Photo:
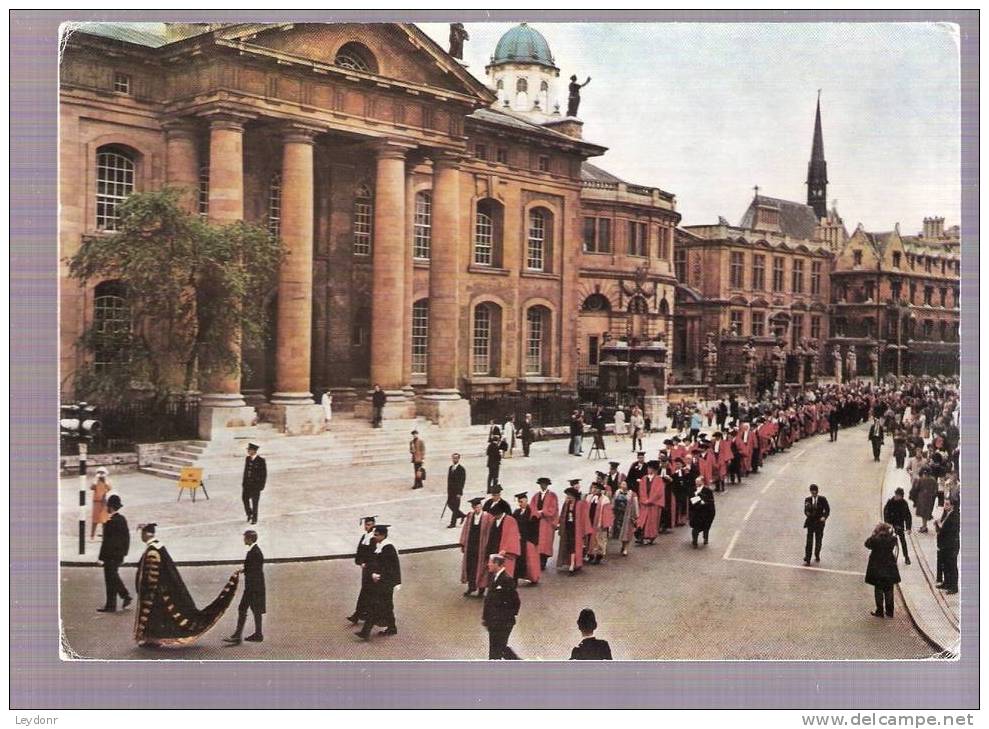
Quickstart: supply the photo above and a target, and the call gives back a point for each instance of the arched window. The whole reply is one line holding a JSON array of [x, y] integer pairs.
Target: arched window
[[356, 57], [481, 347], [420, 336], [535, 259], [114, 182], [638, 305], [363, 221], [537, 323], [203, 191], [487, 233], [521, 94], [422, 233], [544, 95], [111, 324], [596, 302], [275, 205]]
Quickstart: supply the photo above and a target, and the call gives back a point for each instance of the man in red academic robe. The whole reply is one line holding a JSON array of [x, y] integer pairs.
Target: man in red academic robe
[[652, 500], [679, 450], [722, 459], [545, 507], [499, 535], [528, 566], [575, 525], [766, 437], [744, 442], [474, 559], [707, 464], [602, 518]]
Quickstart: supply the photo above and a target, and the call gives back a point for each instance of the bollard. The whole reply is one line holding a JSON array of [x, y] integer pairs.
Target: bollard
[[82, 497]]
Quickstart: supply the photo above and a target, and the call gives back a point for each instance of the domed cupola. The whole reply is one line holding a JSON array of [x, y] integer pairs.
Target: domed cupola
[[523, 74]]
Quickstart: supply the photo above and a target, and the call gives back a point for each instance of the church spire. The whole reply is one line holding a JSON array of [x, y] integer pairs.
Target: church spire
[[817, 169]]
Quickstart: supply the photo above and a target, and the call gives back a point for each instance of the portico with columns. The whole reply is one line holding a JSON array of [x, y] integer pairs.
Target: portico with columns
[[431, 242]]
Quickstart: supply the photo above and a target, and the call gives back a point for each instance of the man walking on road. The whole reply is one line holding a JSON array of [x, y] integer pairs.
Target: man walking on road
[[116, 543], [897, 514], [501, 606], [252, 484], [876, 436], [493, 453], [456, 476], [816, 512]]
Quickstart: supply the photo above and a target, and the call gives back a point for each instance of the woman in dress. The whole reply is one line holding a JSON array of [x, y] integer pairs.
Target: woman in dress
[[923, 492], [101, 489], [882, 572]]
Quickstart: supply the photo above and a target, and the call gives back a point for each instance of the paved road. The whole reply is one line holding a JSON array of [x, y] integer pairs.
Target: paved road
[[743, 597]]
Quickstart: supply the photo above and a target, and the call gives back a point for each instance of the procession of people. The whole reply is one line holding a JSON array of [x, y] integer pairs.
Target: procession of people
[[505, 544]]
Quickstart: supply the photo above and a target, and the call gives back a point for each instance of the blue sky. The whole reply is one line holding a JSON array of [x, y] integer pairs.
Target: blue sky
[[708, 110]]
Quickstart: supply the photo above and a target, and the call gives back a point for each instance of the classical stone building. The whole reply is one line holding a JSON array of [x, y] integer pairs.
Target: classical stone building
[[447, 239], [751, 286], [895, 303]]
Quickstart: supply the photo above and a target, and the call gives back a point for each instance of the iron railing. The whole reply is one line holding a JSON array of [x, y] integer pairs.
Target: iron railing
[[124, 426]]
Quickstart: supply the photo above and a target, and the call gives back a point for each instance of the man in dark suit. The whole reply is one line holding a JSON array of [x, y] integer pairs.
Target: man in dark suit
[[253, 598], [255, 476], [116, 543], [493, 453], [456, 476], [386, 575], [948, 543], [876, 437], [816, 512], [590, 648], [378, 399], [834, 419], [365, 550], [501, 605], [896, 513]]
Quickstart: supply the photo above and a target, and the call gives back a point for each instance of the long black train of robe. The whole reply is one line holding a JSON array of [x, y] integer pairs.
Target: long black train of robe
[[473, 551], [166, 612], [381, 596], [364, 551], [528, 532]]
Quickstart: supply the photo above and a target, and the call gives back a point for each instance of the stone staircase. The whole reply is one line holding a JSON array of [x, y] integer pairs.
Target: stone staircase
[[348, 442]]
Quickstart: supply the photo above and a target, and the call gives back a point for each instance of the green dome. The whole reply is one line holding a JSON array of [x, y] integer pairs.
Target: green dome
[[523, 44]]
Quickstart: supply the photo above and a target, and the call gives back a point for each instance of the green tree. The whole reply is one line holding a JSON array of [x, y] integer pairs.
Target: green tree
[[193, 290]]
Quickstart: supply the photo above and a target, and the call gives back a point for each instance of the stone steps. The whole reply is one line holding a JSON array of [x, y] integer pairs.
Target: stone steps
[[361, 446]]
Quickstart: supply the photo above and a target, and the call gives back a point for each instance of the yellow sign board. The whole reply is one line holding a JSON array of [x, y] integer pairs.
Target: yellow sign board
[[190, 478]]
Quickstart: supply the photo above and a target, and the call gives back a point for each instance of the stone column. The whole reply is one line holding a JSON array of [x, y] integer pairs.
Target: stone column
[[182, 161], [442, 402], [292, 408], [390, 300], [222, 406]]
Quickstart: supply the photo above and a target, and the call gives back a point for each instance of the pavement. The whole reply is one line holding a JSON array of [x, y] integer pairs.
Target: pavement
[[935, 613], [310, 512], [747, 595]]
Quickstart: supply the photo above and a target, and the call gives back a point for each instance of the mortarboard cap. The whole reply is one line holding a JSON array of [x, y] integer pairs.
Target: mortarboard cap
[[653, 464], [614, 464], [253, 447], [572, 492], [543, 479], [522, 495], [573, 481], [640, 453], [366, 519], [381, 529], [496, 489], [476, 500], [600, 474]]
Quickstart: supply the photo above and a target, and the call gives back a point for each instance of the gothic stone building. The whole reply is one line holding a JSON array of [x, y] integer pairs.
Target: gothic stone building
[[763, 281], [896, 306], [447, 239]]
